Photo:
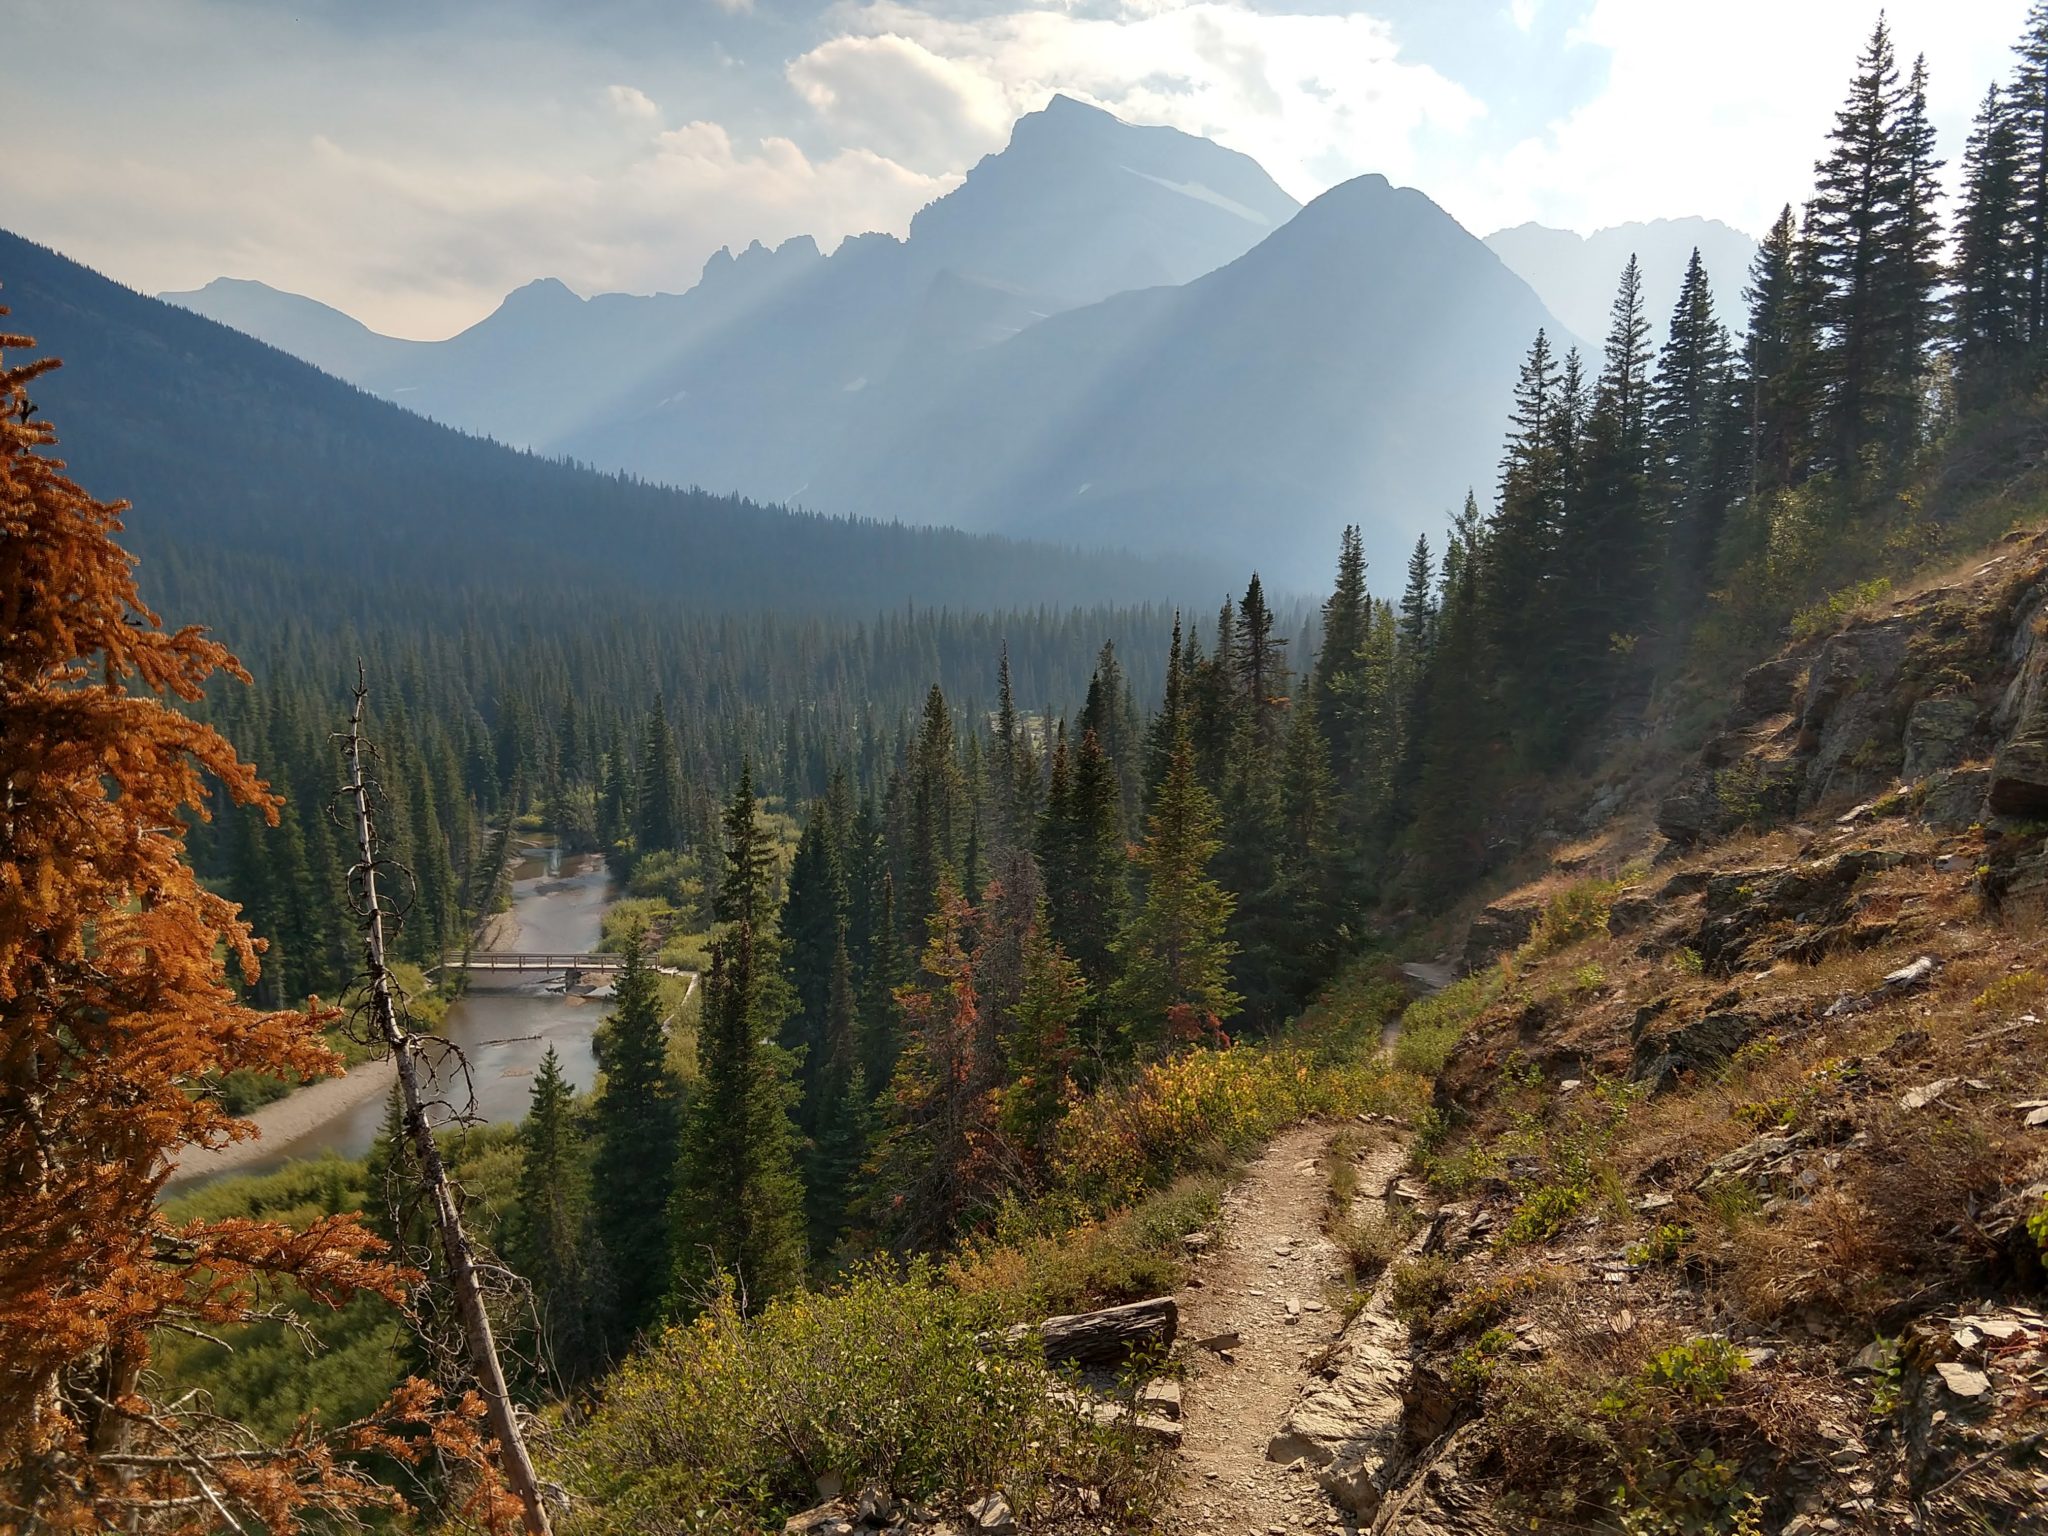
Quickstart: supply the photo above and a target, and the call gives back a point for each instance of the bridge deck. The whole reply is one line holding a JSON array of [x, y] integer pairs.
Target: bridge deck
[[501, 960]]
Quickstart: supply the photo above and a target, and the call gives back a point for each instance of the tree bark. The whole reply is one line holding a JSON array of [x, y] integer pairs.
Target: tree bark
[[1099, 1340]]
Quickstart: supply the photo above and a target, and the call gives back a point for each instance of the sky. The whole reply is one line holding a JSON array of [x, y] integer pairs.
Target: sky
[[411, 161]]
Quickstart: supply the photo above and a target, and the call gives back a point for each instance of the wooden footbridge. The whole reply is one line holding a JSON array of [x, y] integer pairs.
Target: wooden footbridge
[[482, 960]]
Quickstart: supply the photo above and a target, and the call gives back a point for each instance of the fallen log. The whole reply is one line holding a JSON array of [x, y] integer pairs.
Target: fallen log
[[1097, 1340]]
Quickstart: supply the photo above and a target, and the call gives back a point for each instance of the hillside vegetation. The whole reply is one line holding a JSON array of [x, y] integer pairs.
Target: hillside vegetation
[[1715, 749]]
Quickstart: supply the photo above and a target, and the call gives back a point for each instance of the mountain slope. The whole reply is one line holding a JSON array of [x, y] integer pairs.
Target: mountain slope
[[1081, 205], [239, 458], [1355, 366], [1576, 274], [726, 384], [330, 340]]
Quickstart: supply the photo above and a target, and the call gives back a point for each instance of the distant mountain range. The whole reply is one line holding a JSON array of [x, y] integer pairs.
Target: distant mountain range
[[1577, 274], [1107, 333], [259, 480]]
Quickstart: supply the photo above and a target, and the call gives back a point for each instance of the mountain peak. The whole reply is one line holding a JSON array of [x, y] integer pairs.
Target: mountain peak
[[1063, 110], [1081, 204], [541, 293]]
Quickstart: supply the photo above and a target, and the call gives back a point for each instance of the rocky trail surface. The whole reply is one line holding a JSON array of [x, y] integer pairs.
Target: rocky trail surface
[[1272, 1277]]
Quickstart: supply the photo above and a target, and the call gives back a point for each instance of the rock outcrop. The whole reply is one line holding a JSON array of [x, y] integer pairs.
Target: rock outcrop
[[1915, 698]]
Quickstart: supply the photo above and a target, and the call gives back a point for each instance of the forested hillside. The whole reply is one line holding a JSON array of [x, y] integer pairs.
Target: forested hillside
[[1069, 928], [252, 471]]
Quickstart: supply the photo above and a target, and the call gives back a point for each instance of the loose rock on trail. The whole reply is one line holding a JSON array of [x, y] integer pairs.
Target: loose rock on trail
[[1275, 1279]]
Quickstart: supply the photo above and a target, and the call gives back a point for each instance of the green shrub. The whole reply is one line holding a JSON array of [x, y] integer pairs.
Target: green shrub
[[1041, 1259], [1543, 1212], [1573, 915], [728, 1424], [1432, 1026], [1418, 1288], [1700, 1370], [1369, 1241], [1487, 1304], [1828, 614], [1473, 1366], [1662, 1246]]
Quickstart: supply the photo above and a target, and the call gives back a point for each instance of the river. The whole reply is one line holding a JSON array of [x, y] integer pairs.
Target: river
[[503, 1026]]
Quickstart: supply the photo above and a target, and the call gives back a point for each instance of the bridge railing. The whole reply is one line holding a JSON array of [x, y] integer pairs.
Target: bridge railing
[[507, 960]]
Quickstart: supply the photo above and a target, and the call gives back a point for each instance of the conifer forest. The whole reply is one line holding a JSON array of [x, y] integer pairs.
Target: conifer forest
[[981, 929]]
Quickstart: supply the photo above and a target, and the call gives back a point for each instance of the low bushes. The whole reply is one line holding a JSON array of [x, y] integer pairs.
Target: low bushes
[[728, 1424], [1432, 1026], [1034, 1264], [1200, 1109], [1664, 1445]]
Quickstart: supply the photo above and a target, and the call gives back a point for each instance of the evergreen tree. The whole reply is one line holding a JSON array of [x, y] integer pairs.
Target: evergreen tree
[[1988, 307], [1610, 544], [738, 1206], [2029, 101], [1913, 269], [1779, 361], [1687, 407], [878, 1039], [1217, 701], [658, 819], [1081, 849], [1871, 237], [1344, 623], [1262, 671], [638, 1119], [549, 1241], [1043, 1044], [1526, 528], [937, 818], [1112, 715], [814, 918], [1173, 988], [1173, 718]]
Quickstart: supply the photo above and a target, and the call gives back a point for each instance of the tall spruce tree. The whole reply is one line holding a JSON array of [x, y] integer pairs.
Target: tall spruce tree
[[550, 1240], [658, 818], [814, 919], [2029, 99], [738, 1206], [1779, 361], [1082, 851], [1344, 623], [1043, 1045], [638, 1118], [1863, 233], [1988, 304], [1687, 410], [1174, 988]]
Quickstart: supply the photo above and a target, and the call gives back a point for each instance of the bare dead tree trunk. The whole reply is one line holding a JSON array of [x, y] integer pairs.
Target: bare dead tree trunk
[[456, 1250]]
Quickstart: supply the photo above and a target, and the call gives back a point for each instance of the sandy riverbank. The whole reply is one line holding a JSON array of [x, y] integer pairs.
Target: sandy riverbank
[[498, 931], [285, 1120]]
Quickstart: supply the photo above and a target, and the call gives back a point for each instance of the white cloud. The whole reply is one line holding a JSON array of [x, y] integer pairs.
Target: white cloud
[[892, 95], [414, 196], [1314, 98], [1723, 118], [632, 103]]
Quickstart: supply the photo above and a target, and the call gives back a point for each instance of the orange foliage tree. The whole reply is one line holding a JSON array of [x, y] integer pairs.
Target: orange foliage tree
[[115, 1012]]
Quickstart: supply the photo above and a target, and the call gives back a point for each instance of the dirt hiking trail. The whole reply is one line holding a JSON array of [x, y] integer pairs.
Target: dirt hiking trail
[[1269, 1251]]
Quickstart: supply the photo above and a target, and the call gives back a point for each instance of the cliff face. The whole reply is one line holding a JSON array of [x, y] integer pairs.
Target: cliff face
[[1738, 1168]]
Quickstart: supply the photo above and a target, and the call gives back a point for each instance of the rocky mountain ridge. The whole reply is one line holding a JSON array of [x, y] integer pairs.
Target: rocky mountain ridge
[[1106, 332]]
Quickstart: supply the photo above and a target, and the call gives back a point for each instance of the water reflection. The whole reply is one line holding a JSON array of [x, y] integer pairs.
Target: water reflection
[[503, 1025]]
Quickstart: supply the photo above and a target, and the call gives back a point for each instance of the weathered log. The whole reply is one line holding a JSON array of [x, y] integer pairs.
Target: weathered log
[[1096, 1340]]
